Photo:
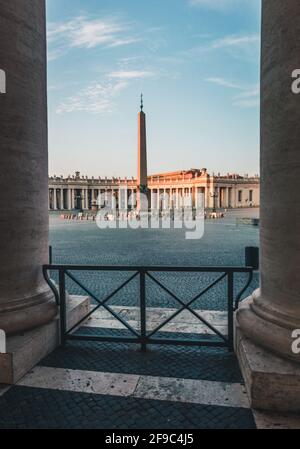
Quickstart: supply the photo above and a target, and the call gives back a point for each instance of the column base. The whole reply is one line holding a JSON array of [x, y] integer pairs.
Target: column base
[[28, 313], [263, 324], [26, 349], [272, 383]]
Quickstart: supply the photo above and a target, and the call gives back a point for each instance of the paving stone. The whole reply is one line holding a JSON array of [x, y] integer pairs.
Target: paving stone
[[183, 362]]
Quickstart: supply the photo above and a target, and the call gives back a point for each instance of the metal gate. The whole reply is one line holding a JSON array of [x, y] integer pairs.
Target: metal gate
[[143, 336]]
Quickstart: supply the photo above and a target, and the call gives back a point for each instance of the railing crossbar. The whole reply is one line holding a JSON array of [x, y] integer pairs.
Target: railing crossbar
[[103, 303], [186, 307], [153, 268]]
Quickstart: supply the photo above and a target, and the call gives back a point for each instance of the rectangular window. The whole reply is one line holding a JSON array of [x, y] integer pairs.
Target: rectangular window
[[251, 196], [240, 196]]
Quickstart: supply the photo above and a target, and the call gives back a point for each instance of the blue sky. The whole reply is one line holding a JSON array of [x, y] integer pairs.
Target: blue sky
[[197, 63]]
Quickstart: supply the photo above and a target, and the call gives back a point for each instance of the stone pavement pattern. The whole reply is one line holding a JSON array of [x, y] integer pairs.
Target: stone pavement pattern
[[115, 386]]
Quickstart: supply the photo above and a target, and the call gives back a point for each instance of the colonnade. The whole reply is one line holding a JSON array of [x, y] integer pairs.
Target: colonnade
[[173, 197], [62, 198]]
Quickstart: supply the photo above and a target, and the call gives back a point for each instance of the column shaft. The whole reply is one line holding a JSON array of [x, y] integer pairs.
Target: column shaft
[[275, 309], [61, 199], [25, 299], [69, 199]]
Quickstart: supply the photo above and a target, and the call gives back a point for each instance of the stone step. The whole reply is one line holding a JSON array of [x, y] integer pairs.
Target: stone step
[[25, 350]]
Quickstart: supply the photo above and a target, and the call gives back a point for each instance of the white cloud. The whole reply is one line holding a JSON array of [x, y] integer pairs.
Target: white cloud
[[224, 5], [236, 41], [131, 74], [85, 32], [55, 53], [254, 103], [248, 96], [213, 4], [223, 82], [97, 98], [253, 92], [240, 46]]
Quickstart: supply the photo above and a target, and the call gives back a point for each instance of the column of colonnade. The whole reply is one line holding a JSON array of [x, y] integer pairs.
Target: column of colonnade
[[55, 199], [61, 199], [26, 301], [69, 199], [274, 310]]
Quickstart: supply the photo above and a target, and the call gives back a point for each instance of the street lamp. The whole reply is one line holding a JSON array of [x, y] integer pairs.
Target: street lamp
[[215, 195]]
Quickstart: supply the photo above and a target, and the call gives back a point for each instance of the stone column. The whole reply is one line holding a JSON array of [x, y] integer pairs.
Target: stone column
[[71, 193], [83, 199], [69, 199], [173, 196], [132, 198], [25, 299], [55, 199], [190, 202], [210, 191], [229, 197], [274, 310], [125, 194], [87, 199], [120, 199], [234, 197], [62, 199], [165, 199], [82, 192], [151, 198]]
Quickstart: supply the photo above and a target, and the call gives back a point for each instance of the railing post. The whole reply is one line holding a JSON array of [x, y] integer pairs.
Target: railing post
[[230, 295], [63, 312], [143, 308], [252, 257], [50, 255]]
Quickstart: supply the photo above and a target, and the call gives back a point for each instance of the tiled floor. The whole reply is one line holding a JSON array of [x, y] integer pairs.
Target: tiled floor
[[116, 386], [27, 407]]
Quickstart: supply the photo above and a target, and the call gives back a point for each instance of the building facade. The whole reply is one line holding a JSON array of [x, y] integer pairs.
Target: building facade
[[231, 191]]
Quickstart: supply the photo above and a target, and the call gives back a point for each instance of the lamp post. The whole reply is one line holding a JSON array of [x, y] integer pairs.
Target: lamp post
[[214, 195]]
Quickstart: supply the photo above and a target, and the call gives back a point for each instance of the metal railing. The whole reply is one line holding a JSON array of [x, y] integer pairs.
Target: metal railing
[[142, 336]]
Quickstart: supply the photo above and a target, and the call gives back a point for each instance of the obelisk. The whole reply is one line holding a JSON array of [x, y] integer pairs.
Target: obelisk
[[142, 177]]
